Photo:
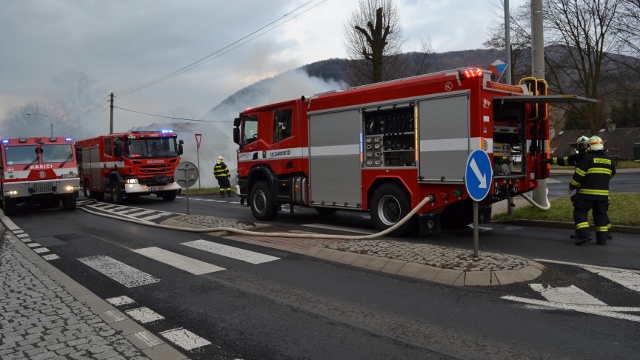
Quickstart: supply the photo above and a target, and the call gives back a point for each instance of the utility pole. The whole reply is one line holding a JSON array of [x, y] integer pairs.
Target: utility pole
[[111, 115], [537, 69], [507, 39]]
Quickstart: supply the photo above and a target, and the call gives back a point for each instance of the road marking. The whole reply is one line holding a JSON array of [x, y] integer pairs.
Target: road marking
[[144, 315], [340, 228], [155, 216], [609, 311], [51, 257], [120, 301], [118, 271], [184, 338], [181, 262], [229, 251], [143, 213], [625, 277], [568, 295]]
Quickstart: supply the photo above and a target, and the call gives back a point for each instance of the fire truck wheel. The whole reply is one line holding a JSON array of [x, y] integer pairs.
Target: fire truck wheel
[[390, 204], [86, 190], [69, 203], [9, 206], [169, 195], [262, 205], [116, 193]]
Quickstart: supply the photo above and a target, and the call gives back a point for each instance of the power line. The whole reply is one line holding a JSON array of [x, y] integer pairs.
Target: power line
[[220, 51], [170, 117]]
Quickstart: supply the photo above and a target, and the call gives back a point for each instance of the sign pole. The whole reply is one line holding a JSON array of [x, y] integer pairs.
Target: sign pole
[[475, 228], [478, 178], [198, 139]]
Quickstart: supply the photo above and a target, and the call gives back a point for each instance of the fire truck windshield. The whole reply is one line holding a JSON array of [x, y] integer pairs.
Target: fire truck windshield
[[152, 148], [56, 153], [24, 154], [250, 133]]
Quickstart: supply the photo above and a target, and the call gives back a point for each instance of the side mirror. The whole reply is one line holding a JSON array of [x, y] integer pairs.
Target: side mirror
[[237, 121], [236, 135], [78, 153]]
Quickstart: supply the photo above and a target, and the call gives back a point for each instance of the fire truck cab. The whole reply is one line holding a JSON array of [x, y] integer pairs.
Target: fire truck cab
[[39, 170], [385, 147], [130, 164]]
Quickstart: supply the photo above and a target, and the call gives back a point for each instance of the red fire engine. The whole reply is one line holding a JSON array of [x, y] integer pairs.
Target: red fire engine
[[385, 147], [130, 164], [40, 170]]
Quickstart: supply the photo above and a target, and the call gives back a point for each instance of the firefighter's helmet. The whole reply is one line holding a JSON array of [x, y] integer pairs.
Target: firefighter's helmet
[[582, 144], [595, 143], [220, 158]]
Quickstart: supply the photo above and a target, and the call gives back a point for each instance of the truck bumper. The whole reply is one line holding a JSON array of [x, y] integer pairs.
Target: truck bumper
[[144, 189], [26, 189]]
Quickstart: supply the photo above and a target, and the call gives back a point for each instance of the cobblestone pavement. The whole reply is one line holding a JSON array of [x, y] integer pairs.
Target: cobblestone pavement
[[40, 320], [46, 315]]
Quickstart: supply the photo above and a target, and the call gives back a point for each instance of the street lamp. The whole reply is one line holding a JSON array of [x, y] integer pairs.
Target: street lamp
[[35, 113]]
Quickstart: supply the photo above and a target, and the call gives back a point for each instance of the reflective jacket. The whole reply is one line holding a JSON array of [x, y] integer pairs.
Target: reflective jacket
[[592, 176], [221, 170], [571, 160]]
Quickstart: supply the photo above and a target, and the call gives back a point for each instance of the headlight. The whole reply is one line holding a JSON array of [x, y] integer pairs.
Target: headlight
[[131, 181], [11, 192]]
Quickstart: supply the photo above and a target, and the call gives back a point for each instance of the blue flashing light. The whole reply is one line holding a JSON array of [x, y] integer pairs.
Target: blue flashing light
[[167, 131], [5, 141], [68, 139]]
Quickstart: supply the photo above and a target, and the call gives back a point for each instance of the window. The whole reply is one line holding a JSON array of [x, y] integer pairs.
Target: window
[[282, 121], [250, 133], [107, 147], [25, 154], [56, 153]]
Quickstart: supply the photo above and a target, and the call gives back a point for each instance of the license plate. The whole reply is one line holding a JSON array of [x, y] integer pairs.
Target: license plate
[[153, 189]]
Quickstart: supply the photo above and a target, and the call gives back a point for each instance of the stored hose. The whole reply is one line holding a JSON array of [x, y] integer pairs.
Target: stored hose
[[274, 234]]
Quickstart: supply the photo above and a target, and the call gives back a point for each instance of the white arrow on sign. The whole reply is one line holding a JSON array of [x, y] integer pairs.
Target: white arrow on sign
[[479, 175]]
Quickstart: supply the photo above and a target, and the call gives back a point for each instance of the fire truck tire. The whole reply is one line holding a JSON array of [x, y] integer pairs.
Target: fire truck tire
[[116, 193], [390, 203], [262, 205], [325, 211], [69, 203], [9, 206], [169, 195], [86, 190]]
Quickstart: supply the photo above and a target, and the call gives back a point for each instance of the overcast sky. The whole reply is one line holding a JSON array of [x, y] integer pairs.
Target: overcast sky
[[123, 44]]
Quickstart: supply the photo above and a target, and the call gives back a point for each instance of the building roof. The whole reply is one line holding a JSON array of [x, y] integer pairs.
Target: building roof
[[618, 142]]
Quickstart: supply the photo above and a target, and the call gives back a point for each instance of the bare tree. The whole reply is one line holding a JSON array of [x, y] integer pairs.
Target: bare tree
[[520, 39], [373, 41], [582, 46], [76, 99], [18, 124]]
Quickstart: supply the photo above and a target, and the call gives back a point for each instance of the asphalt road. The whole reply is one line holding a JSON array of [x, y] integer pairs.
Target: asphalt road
[[300, 307]]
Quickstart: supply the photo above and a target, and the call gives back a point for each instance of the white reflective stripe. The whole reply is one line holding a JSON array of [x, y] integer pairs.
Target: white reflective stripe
[[351, 149], [181, 262], [456, 144], [266, 155], [229, 251], [118, 271], [444, 145]]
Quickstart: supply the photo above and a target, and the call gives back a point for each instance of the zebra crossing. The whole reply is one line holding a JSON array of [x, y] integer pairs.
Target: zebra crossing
[[130, 212], [130, 277], [574, 298]]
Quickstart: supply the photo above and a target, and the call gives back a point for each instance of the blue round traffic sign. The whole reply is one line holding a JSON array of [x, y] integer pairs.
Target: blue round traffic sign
[[478, 175]]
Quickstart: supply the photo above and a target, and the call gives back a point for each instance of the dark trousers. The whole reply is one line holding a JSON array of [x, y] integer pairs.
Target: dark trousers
[[600, 218], [224, 183]]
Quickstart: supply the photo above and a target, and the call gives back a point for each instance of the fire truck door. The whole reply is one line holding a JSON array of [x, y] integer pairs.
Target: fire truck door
[[334, 158], [443, 125]]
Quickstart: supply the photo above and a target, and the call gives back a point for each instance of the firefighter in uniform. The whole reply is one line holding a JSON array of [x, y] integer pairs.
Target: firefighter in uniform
[[222, 174], [582, 145], [591, 180]]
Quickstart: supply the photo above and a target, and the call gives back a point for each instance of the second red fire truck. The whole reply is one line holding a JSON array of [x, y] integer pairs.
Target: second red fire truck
[[385, 147], [130, 164]]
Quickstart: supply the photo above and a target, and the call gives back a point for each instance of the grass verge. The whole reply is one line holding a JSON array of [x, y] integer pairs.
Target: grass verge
[[624, 209]]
